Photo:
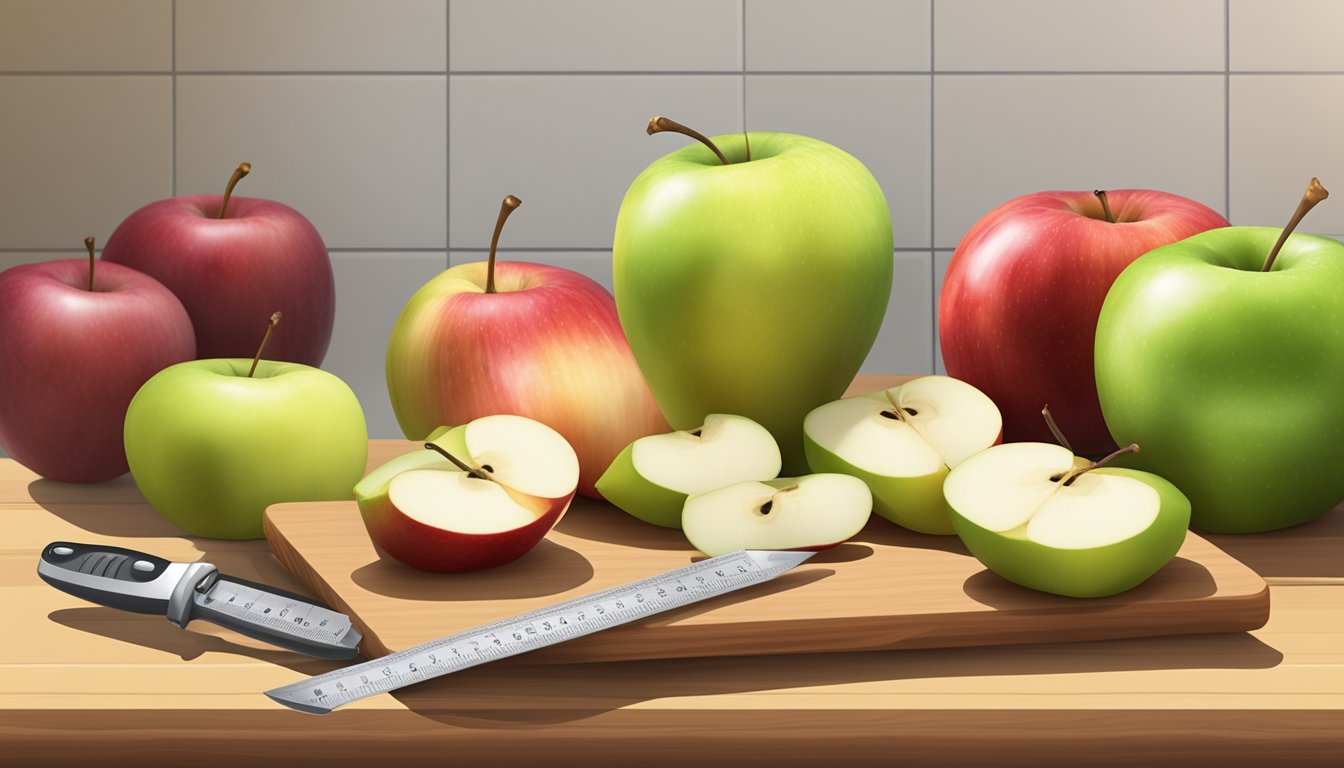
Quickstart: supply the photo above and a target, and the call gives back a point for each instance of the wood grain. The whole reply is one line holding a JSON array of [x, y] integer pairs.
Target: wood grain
[[887, 588], [79, 679]]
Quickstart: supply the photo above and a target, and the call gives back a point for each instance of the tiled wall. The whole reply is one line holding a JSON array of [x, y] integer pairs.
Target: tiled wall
[[397, 125]]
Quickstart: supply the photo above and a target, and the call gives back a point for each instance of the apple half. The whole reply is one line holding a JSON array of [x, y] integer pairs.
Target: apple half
[[652, 477], [902, 442], [430, 513], [1094, 534], [812, 512]]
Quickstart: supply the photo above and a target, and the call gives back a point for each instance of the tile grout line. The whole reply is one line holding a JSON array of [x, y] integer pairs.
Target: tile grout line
[[1227, 109], [669, 73], [172, 129], [742, 61], [933, 259], [448, 133]]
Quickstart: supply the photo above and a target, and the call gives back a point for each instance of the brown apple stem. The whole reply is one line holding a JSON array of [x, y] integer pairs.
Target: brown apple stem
[[1315, 193], [507, 207], [1105, 205], [275, 320], [88, 243], [1072, 475], [659, 124], [1054, 429], [238, 173], [471, 471]]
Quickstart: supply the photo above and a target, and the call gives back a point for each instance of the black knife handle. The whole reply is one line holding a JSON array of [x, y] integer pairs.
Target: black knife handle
[[113, 576]]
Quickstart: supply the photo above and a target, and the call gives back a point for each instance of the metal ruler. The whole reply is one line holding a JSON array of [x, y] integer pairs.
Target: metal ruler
[[537, 629]]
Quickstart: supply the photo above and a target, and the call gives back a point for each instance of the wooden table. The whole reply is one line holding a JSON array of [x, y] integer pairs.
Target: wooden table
[[82, 683]]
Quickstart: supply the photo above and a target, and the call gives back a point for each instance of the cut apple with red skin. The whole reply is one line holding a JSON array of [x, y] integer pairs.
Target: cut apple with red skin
[[813, 512], [424, 510], [902, 442]]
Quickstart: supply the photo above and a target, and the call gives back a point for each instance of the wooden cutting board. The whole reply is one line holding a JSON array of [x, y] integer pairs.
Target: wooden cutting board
[[887, 588]]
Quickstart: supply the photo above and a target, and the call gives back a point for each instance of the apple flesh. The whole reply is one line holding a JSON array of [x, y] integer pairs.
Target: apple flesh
[[904, 457], [1019, 304], [430, 514], [652, 477], [1102, 533], [813, 512]]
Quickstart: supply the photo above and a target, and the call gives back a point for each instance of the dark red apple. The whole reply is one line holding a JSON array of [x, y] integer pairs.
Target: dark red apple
[[1019, 305], [73, 352], [260, 256]]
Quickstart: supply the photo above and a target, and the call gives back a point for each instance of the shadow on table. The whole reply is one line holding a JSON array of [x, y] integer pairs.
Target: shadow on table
[[114, 508], [151, 631], [1312, 550]]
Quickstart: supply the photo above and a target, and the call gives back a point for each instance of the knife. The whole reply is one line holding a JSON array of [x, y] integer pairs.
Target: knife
[[136, 581]]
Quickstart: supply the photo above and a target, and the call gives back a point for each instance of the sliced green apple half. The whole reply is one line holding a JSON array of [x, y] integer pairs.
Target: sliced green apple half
[[1035, 515], [493, 489], [652, 477], [902, 442], [812, 512]]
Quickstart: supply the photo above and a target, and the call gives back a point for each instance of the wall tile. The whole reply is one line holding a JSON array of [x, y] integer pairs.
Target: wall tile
[[573, 176], [594, 264], [940, 261], [311, 35], [86, 35], [1285, 35], [838, 35], [883, 120], [905, 343], [1078, 35], [371, 289], [1275, 149], [362, 157], [79, 154], [596, 35], [998, 137]]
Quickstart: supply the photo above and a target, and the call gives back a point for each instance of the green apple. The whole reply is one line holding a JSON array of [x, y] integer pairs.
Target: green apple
[[211, 446], [1043, 518], [755, 286], [484, 495], [902, 442], [652, 477], [1231, 377], [812, 512]]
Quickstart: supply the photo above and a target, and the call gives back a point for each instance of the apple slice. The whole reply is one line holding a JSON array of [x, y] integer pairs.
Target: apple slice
[[1043, 518], [812, 512], [902, 442], [652, 477], [484, 495]]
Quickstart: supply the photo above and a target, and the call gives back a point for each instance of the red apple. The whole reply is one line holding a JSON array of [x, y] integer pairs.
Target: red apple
[[1019, 305], [485, 494], [73, 352], [228, 270], [528, 339]]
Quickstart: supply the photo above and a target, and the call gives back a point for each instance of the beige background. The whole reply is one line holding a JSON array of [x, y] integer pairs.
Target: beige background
[[398, 125]]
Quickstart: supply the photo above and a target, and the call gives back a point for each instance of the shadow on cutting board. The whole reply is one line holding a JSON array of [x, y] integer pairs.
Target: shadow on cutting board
[[548, 569]]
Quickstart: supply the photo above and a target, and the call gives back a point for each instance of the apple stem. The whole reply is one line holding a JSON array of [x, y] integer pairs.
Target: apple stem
[[275, 320], [1315, 193], [507, 207], [238, 173], [1054, 429], [1068, 479], [746, 137], [1105, 205], [462, 465], [659, 124], [88, 243]]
